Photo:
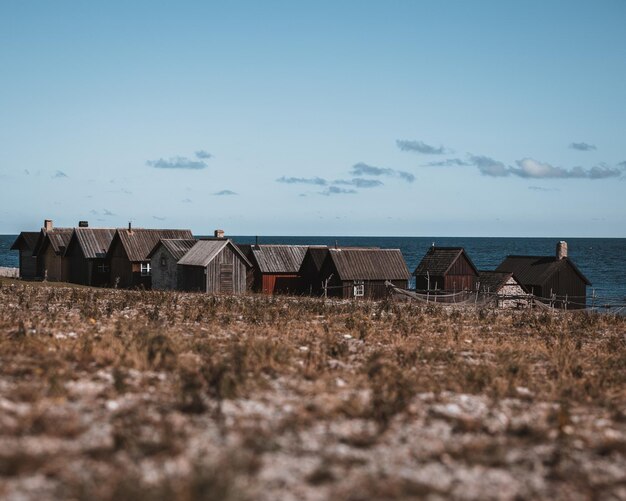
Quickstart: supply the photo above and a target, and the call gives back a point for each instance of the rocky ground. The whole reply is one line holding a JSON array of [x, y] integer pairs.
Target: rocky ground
[[125, 395]]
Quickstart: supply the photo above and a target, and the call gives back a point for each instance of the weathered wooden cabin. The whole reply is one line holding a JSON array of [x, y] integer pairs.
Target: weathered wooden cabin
[[447, 269], [164, 261], [50, 253], [85, 256], [128, 259], [25, 245], [311, 281], [217, 266], [275, 268], [551, 279], [503, 288], [363, 273]]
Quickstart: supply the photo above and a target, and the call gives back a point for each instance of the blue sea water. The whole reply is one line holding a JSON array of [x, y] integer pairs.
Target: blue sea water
[[602, 260]]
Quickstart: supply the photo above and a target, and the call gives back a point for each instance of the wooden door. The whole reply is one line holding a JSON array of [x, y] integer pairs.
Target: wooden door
[[226, 278]]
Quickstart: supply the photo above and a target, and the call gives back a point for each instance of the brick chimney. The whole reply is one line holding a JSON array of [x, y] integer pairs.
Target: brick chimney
[[561, 250], [83, 224], [218, 233], [47, 224]]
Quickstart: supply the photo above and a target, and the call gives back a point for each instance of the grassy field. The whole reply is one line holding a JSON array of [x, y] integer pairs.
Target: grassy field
[[109, 394]]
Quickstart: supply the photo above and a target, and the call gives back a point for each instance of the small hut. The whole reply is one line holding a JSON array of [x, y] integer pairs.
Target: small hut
[[25, 244], [503, 288], [85, 255], [446, 269], [275, 268], [216, 266], [164, 261], [50, 253], [553, 279]]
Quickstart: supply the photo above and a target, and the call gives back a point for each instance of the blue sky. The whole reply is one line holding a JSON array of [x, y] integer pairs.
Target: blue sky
[[316, 118]]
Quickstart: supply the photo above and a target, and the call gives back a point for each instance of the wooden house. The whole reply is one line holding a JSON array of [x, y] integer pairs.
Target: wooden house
[[503, 288], [217, 266], [50, 253], [446, 269], [85, 256], [551, 279], [25, 244], [311, 280], [128, 253], [275, 268], [164, 261], [362, 273]]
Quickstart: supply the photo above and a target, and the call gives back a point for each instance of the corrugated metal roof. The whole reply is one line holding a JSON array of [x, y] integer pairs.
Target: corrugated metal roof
[[25, 240], [57, 238], [177, 247], [278, 258], [438, 260], [493, 281], [535, 270], [140, 241], [369, 264], [94, 242], [204, 251]]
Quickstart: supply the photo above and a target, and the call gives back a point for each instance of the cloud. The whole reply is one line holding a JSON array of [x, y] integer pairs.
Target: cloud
[[106, 212], [541, 188], [531, 168], [224, 193], [126, 192], [59, 175], [186, 201], [582, 146], [335, 190], [359, 182], [363, 169], [27, 172], [203, 155], [159, 218], [488, 166], [93, 212], [420, 147], [449, 162], [622, 164], [177, 163], [318, 181]]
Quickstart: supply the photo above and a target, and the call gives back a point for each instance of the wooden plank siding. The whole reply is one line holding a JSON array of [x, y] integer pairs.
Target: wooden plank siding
[[54, 266], [226, 274]]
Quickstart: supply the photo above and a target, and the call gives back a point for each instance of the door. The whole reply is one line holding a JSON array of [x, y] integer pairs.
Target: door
[[226, 278]]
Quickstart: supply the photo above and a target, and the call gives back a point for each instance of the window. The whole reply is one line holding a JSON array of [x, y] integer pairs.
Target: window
[[359, 288], [103, 268], [145, 269], [163, 261]]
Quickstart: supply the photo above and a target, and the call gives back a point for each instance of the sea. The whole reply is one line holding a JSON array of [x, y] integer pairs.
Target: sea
[[601, 260]]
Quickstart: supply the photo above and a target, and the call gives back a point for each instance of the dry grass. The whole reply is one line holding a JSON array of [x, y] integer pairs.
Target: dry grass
[[115, 394]]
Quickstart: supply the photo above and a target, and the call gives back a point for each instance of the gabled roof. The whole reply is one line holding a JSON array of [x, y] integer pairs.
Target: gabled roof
[[57, 238], [438, 260], [177, 247], [275, 258], [138, 242], [26, 241], [536, 270], [94, 242], [369, 264], [204, 251], [493, 281], [318, 255]]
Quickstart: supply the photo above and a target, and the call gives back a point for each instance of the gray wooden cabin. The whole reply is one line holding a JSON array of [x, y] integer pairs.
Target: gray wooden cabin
[[164, 261], [85, 255], [25, 244], [215, 266]]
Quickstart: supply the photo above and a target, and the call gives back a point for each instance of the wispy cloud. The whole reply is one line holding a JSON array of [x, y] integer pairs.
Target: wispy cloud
[[359, 182], [107, 212], [317, 181], [27, 172], [531, 168], [203, 155], [449, 162], [177, 163], [336, 190], [541, 188], [363, 169], [93, 212], [420, 147], [187, 201], [59, 175], [224, 193], [159, 218], [583, 146], [488, 166]]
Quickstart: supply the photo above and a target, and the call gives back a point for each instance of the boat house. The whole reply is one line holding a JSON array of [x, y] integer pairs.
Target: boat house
[[446, 269]]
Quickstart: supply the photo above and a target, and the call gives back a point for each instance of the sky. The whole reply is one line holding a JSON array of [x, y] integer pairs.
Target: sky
[[400, 118]]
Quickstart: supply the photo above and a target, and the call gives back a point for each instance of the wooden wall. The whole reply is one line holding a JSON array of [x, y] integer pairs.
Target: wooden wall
[[164, 270], [28, 264], [54, 268], [120, 266], [226, 273]]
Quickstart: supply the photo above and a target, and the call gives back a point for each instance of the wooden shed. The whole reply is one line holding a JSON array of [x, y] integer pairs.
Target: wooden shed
[[128, 259], [217, 266], [362, 273], [311, 280], [164, 261], [446, 269], [275, 268], [85, 256], [551, 279], [25, 245], [503, 288], [50, 253]]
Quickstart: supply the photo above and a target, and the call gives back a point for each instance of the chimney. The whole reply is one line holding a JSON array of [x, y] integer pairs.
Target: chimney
[[47, 224], [256, 242], [130, 227], [561, 250], [218, 233], [83, 224]]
